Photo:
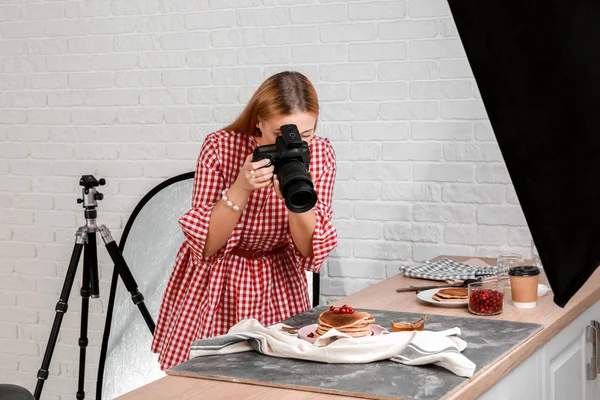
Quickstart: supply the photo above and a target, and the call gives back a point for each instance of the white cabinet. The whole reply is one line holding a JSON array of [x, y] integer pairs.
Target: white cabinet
[[565, 361], [565, 369], [523, 382], [556, 371]]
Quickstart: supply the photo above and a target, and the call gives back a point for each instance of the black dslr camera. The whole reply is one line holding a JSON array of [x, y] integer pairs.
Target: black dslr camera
[[290, 156]]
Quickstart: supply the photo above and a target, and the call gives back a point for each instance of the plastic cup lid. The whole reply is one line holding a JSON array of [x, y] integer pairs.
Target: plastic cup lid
[[524, 271]]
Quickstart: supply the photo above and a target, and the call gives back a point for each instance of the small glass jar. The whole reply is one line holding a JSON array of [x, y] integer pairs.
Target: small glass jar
[[402, 325], [486, 298], [505, 263]]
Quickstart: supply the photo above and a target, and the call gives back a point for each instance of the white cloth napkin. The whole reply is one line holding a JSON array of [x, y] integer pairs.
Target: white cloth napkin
[[411, 348]]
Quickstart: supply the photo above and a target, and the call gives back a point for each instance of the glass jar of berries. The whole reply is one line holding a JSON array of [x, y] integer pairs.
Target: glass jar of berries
[[486, 298]]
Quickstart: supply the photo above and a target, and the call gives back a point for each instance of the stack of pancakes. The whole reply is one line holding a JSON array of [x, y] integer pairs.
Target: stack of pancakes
[[452, 295], [355, 325]]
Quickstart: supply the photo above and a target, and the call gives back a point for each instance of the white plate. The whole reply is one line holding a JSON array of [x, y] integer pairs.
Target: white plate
[[308, 329], [427, 296]]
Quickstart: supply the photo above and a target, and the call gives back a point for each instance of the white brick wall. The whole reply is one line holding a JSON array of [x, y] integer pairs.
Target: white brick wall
[[127, 90]]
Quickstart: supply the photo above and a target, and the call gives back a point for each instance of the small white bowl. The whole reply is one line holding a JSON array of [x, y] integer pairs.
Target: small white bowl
[[542, 290]]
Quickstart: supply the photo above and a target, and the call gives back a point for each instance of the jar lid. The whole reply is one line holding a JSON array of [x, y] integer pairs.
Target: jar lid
[[524, 271]]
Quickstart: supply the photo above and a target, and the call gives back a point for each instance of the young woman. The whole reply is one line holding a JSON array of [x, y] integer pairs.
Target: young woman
[[244, 253]]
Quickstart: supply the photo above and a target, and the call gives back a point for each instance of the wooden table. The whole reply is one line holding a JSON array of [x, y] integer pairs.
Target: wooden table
[[383, 296]]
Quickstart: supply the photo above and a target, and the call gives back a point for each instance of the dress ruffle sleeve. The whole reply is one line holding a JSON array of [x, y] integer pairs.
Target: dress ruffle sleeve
[[209, 182], [325, 235]]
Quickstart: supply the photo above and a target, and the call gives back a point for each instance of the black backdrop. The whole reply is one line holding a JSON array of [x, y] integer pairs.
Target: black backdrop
[[537, 65]]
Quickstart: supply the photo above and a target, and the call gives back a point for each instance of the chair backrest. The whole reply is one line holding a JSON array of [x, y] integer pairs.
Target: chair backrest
[[149, 244], [14, 392]]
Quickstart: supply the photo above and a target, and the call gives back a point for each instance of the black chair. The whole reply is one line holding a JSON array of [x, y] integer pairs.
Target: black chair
[[14, 392]]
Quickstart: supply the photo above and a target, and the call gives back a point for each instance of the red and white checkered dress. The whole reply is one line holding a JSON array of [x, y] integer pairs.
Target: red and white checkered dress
[[205, 296]]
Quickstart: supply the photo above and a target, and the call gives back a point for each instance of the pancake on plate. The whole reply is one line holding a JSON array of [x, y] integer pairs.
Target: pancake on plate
[[452, 295], [353, 323]]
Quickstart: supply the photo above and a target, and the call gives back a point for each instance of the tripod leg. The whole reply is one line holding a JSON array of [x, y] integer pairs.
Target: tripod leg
[[91, 257], [126, 276], [90, 262], [61, 309]]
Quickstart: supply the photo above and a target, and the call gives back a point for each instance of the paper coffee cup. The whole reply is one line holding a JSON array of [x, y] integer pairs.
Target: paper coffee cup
[[524, 286]]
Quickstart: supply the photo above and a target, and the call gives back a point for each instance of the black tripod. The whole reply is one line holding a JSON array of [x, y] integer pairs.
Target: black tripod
[[85, 240]]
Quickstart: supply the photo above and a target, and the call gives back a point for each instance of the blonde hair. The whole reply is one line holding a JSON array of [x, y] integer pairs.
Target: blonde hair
[[284, 93]]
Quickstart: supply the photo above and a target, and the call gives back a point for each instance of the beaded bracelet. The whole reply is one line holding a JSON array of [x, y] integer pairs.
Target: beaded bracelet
[[230, 204]]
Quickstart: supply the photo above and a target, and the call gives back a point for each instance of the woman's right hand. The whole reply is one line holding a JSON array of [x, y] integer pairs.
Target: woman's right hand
[[253, 176]]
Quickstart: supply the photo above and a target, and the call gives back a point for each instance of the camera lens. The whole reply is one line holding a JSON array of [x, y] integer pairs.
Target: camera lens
[[296, 187], [302, 198]]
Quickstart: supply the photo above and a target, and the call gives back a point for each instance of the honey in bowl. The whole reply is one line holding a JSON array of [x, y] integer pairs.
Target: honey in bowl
[[405, 326]]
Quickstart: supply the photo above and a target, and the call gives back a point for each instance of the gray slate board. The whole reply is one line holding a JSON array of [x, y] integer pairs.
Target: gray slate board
[[488, 340]]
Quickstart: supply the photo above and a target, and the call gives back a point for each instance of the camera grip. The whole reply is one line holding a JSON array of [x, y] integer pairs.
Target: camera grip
[[262, 152]]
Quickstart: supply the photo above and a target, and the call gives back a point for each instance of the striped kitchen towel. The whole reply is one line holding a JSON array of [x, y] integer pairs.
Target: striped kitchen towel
[[411, 348], [446, 269]]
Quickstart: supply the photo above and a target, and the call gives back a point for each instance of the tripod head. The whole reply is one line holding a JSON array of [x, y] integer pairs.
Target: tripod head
[[89, 195]]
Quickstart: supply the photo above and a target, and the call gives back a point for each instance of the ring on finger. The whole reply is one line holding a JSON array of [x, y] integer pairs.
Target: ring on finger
[[252, 173]]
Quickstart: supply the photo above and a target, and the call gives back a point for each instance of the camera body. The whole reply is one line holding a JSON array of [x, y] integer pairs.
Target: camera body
[[290, 156], [288, 147]]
